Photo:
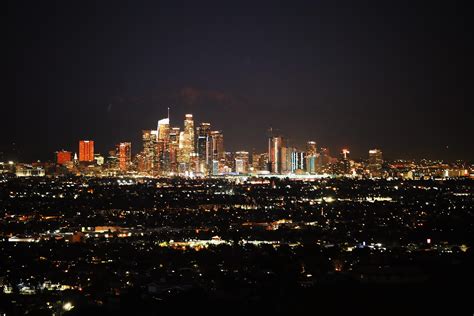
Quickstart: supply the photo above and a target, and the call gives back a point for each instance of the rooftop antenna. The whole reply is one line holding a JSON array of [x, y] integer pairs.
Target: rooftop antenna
[[168, 113]]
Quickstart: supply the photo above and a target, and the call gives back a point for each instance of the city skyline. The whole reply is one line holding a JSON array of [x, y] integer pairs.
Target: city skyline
[[196, 149], [15, 153], [387, 75]]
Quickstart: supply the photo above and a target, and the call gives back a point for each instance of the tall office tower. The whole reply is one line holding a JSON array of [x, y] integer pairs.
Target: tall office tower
[[187, 139], [181, 153], [311, 156], [218, 153], [140, 162], [174, 148], [193, 163], [204, 147], [124, 154], [255, 161], [149, 160], [298, 161], [275, 143], [242, 162], [227, 164], [324, 157], [63, 157], [285, 159], [263, 162], [163, 150], [345, 161], [86, 150], [375, 162], [311, 149]]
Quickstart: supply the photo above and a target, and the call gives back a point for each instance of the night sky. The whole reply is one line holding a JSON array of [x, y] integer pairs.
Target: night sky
[[391, 75]]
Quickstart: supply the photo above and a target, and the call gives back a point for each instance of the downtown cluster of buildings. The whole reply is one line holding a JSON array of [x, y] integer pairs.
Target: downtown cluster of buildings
[[198, 150]]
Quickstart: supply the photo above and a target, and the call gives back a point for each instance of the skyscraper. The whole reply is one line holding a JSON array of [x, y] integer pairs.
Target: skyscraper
[[311, 149], [174, 148], [163, 150], [86, 150], [311, 156], [124, 153], [63, 157], [275, 143], [204, 147], [375, 162], [298, 161], [345, 161], [218, 153], [186, 141], [324, 157], [242, 162], [150, 141]]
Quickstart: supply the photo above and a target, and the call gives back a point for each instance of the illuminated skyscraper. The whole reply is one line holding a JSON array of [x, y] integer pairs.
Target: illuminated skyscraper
[[218, 153], [286, 159], [204, 147], [311, 149], [63, 157], [324, 157], [311, 156], [228, 164], [218, 145], [275, 143], [242, 162], [150, 144], [186, 142], [86, 150], [375, 162], [163, 140], [345, 161], [174, 148], [124, 153], [298, 161], [255, 161], [259, 161]]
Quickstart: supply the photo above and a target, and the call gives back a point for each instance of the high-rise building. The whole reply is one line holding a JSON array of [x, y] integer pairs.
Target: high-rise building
[[149, 157], [298, 161], [186, 142], [255, 159], [174, 148], [218, 153], [204, 147], [242, 162], [286, 159], [345, 161], [275, 143], [63, 157], [86, 150], [311, 157], [227, 164], [163, 141], [375, 162], [124, 154], [324, 158], [311, 149]]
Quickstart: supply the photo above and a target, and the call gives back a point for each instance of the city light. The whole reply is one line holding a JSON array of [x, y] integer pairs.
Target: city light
[[68, 306]]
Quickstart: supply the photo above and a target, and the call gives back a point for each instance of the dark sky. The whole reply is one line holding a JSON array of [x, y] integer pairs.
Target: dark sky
[[393, 75]]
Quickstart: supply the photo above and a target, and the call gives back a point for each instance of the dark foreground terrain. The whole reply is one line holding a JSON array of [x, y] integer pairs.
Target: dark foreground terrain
[[85, 246]]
